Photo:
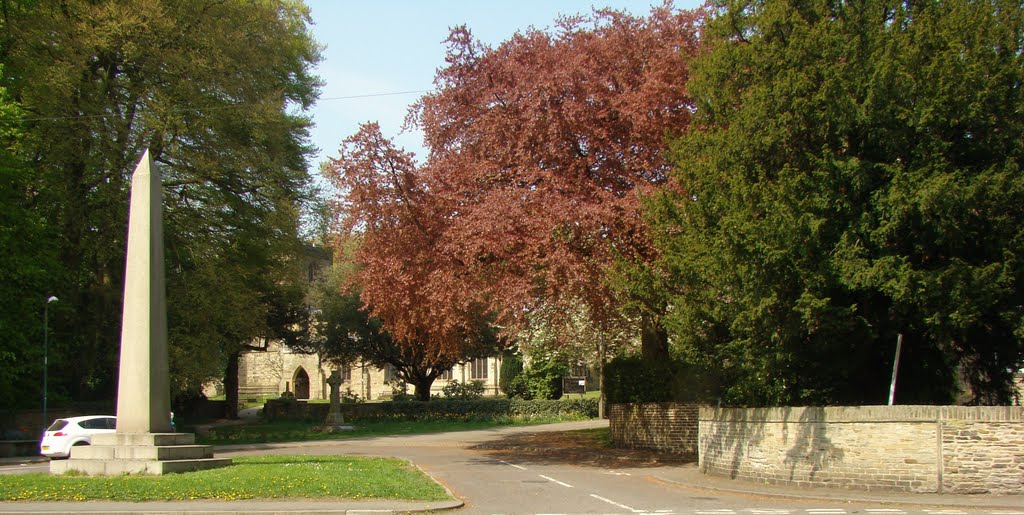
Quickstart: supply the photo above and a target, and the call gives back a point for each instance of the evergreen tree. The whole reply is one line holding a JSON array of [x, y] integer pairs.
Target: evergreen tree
[[857, 175]]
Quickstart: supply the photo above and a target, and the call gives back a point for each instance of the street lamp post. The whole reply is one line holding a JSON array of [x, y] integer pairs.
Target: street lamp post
[[46, 347]]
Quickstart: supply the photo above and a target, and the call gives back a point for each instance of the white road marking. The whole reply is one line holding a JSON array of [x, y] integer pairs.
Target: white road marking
[[617, 473], [553, 480], [884, 510], [512, 465], [824, 511], [714, 512], [946, 512], [1006, 512], [613, 503], [769, 511]]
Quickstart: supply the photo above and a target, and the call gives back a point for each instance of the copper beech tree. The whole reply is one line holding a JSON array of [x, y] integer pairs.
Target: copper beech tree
[[398, 221], [542, 148], [539, 150]]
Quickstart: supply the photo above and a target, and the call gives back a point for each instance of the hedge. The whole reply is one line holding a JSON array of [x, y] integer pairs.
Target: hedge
[[632, 379], [448, 409]]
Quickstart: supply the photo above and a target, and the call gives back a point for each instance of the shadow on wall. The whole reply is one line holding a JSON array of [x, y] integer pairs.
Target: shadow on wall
[[735, 433], [812, 447], [736, 444]]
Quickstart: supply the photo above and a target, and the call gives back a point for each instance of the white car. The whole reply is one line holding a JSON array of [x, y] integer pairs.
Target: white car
[[66, 433]]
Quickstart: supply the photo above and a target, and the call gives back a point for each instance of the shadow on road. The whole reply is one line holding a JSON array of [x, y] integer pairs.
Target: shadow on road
[[585, 448]]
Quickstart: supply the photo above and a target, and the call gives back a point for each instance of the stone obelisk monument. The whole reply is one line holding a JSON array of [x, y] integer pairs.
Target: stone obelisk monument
[[143, 441], [143, 386]]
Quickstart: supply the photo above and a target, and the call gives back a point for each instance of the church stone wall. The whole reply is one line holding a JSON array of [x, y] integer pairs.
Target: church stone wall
[[274, 371]]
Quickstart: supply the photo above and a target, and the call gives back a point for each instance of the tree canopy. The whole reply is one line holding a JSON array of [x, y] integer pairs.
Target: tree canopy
[[856, 174], [398, 273], [26, 264], [538, 150], [541, 147], [211, 88]]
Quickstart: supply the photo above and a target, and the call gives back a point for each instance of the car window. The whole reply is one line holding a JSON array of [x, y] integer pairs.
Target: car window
[[57, 425], [92, 423], [99, 423]]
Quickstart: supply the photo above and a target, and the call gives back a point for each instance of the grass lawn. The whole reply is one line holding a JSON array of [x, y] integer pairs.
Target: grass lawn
[[251, 477], [266, 432]]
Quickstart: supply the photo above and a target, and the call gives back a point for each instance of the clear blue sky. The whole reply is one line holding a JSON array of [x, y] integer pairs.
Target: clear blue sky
[[378, 47]]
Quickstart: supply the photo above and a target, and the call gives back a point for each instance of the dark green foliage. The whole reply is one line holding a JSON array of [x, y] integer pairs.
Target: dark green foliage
[[631, 379], [215, 91], [541, 380], [469, 390], [511, 368], [29, 273], [858, 175], [486, 409], [519, 388], [440, 409]]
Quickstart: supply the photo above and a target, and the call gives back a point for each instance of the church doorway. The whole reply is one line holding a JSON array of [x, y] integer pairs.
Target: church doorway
[[301, 383]]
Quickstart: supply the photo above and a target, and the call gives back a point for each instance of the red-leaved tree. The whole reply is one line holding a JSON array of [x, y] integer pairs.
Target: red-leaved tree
[[541, 149], [398, 221]]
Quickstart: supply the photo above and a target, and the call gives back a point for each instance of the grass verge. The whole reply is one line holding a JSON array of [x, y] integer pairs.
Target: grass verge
[[251, 477], [268, 432]]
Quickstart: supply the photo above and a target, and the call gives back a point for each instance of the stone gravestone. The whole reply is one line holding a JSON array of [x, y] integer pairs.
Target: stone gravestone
[[143, 442], [335, 420]]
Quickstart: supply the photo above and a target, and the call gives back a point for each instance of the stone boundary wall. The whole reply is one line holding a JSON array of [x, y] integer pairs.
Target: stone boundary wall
[[927, 449], [667, 427]]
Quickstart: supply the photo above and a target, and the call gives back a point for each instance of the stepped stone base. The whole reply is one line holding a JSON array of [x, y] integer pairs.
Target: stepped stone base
[[139, 453]]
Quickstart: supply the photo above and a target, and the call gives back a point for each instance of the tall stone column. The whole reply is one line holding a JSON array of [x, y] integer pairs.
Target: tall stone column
[[143, 442], [143, 387]]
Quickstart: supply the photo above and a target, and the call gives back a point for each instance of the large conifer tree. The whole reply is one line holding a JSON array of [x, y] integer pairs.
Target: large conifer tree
[[858, 175]]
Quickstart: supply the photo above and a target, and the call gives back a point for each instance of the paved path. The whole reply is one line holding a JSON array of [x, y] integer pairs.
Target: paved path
[[535, 481]]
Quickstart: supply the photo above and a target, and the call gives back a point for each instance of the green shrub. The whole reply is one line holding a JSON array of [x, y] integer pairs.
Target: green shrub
[[519, 388], [464, 391], [483, 409], [511, 368], [398, 393], [631, 379], [541, 380], [486, 409]]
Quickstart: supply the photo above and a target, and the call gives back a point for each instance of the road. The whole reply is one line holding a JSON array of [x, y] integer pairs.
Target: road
[[496, 479], [536, 481]]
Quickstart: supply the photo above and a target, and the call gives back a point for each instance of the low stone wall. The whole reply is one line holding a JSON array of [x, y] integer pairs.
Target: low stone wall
[[665, 427], [907, 448]]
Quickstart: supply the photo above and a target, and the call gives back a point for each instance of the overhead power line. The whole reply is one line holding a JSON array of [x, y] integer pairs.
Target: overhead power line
[[216, 108]]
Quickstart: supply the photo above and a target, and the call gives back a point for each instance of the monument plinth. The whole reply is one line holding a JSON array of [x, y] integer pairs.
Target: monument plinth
[[143, 442]]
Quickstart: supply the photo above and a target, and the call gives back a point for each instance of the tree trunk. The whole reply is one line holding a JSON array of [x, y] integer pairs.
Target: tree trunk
[[422, 386], [231, 387], [653, 339]]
